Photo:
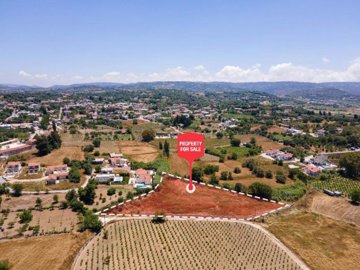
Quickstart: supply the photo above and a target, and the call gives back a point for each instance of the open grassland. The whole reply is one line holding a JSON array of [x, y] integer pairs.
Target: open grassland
[[56, 157], [43, 252], [172, 199], [138, 151], [262, 141], [184, 245], [323, 243]]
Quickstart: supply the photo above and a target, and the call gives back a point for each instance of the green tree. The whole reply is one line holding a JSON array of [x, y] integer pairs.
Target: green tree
[[166, 148], [261, 190], [54, 140], [97, 142], [235, 142], [17, 187], [355, 195], [148, 135], [197, 174], [111, 191], [280, 177], [74, 175], [42, 145], [87, 194], [237, 170], [214, 180], [55, 199], [4, 265], [38, 203], [71, 195], [25, 216], [351, 163]]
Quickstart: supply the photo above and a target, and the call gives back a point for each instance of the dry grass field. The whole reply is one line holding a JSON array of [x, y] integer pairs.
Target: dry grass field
[[323, 243], [56, 157], [44, 252], [183, 245], [138, 151], [246, 177], [264, 142], [336, 208]]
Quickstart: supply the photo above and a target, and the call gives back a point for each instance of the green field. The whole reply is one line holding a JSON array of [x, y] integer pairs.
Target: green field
[[238, 116], [337, 183], [228, 150]]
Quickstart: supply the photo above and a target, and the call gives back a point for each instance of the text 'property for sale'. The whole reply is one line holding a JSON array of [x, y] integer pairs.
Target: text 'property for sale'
[[190, 146]]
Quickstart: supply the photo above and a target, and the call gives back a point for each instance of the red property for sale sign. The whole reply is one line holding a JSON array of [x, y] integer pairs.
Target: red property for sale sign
[[191, 147]]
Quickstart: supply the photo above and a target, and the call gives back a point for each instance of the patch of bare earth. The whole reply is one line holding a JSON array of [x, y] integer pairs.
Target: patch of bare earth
[[337, 208], [172, 198]]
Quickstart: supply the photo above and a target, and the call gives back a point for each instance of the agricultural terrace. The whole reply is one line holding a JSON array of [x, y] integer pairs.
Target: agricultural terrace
[[178, 244], [172, 199]]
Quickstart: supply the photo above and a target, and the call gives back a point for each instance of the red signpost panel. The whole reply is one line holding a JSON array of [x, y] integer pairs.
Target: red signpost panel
[[191, 147]]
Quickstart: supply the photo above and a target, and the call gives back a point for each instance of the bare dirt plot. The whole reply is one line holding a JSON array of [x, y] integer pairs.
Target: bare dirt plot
[[28, 201], [337, 208], [276, 129], [172, 245], [49, 221], [264, 142], [323, 243], [172, 198], [72, 139], [43, 252], [102, 199], [56, 157], [138, 151]]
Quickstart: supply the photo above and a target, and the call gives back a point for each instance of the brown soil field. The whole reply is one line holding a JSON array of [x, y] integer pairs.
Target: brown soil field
[[44, 252], [56, 157], [323, 243], [264, 142], [101, 192], [184, 244], [336, 208], [172, 199], [28, 201], [49, 221], [276, 129], [138, 151]]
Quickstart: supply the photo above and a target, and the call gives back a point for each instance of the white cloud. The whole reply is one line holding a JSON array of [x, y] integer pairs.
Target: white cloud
[[325, 60], [24, 74], [231, 73]]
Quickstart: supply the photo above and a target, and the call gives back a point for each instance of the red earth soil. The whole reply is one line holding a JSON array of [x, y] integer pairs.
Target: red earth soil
[[172, 199]]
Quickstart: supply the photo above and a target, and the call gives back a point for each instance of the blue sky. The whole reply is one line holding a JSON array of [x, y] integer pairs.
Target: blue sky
[[60, 42]]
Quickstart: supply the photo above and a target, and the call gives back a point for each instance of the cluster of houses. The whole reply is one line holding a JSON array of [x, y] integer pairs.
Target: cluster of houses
[[279, 155], [315, 165], [139, 178]]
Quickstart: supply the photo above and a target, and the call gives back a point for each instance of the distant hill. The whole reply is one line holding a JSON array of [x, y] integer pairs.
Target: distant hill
[[322, 93], [278, 88]]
